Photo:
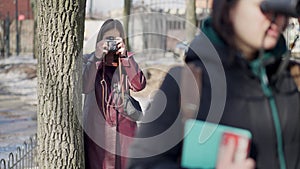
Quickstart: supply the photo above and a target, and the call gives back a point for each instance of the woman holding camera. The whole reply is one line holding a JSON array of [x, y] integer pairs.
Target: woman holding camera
[[108, 72]]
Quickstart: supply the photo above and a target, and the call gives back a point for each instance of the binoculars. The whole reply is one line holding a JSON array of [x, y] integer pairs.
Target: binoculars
[[290, 8]]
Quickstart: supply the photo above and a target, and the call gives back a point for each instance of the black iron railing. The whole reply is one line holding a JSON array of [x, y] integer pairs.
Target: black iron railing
[[25, 156]]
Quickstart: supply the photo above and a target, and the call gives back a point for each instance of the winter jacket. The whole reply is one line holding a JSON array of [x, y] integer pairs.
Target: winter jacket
[[107, 133], [231, 94]]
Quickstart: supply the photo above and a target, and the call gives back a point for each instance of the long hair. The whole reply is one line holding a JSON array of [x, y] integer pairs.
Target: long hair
[[221, 20], [110, 24]]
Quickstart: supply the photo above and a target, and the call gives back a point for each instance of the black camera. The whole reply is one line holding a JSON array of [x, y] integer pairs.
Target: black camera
[[112, 45]]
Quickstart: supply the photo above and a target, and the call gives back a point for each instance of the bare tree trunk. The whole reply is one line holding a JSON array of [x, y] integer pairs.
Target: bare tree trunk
[[191, 19], [60, 27], [126, 13], [35, 35]]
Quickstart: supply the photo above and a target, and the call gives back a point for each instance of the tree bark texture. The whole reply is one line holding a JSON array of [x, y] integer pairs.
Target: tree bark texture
[[60, 27], [190, 19], [126, 13]]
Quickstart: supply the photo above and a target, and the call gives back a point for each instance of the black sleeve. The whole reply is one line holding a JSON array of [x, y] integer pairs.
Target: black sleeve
[[158, 140]]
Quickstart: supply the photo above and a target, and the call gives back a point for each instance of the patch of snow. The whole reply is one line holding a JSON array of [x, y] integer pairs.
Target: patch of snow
[[15, 81]]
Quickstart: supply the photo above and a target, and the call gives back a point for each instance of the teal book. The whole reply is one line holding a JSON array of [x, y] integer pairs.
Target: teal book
[[202, 141]]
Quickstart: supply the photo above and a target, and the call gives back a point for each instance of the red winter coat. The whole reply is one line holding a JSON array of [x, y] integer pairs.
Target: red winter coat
[[102, 141]]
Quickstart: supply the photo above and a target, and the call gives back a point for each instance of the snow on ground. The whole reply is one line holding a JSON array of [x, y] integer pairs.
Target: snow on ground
[[18, 101], [18, 77]]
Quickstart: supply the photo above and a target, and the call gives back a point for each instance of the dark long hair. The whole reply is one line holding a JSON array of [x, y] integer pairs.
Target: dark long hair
[[110, 24], [221, 20]]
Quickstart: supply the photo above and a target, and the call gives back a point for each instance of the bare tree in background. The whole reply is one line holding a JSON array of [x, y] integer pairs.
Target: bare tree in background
[[35, 35], [126, 13], [191, 19], [60, 28]]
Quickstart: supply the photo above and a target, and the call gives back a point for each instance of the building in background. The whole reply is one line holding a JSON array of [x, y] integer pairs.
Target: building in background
[[156, 26], [8, 7]]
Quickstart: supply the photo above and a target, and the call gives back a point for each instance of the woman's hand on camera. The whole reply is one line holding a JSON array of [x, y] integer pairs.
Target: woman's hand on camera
[[101, 49], [121, 47]]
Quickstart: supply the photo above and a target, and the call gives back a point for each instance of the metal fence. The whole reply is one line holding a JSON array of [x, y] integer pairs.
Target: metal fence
[[25, 156]]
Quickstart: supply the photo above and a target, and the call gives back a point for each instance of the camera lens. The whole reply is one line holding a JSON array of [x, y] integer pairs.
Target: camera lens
[[112, 44]]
